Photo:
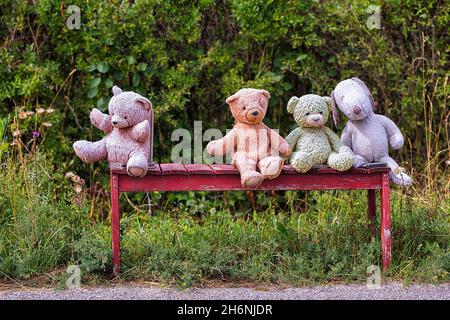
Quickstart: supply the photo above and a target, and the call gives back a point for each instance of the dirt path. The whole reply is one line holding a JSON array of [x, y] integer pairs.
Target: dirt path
[[140, 292]]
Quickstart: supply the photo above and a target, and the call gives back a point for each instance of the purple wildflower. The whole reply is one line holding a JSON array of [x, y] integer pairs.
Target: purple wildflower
[[35, 134]]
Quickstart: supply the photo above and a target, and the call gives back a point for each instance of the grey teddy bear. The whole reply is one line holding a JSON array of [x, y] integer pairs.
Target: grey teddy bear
[[312, 142], [366, 133]]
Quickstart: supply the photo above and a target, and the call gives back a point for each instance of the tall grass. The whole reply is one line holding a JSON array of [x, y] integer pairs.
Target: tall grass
[[293, 237], [38, 225]]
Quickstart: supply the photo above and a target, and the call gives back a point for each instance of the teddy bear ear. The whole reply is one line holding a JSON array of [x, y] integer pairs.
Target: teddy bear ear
[[232, 98], [292, 103], [116, 90], [332, 105], [367, 91], [144, 101], [265, 93]]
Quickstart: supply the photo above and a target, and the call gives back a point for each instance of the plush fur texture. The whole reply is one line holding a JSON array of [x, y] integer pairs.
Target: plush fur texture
[[127, 128], [366, 133], [253, 144], [312, 142]]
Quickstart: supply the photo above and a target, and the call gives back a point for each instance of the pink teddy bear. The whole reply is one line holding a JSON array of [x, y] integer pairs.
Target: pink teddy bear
[[128, 133], [252, 144]]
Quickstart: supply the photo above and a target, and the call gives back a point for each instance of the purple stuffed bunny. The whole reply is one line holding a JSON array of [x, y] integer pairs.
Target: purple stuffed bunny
[[366, 133], [127, 128]]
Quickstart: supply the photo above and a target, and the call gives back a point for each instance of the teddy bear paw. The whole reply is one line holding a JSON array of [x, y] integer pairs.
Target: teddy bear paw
[[301, 165], [136, 171], [271, 167], [341, 162], [359, 161], [251, 179], [137, 165], [400, 178]]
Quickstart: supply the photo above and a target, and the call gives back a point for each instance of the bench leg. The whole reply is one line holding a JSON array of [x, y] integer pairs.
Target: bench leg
[[115, 224], [372, 211], [385, 222]]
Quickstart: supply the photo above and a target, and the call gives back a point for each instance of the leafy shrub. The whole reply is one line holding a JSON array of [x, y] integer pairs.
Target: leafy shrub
[[188, 57]]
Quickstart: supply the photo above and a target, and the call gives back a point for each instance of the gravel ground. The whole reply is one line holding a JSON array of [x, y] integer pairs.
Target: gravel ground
[[391, 291]]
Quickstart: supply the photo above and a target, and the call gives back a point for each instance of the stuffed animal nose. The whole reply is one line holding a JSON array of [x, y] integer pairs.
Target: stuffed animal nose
[[114, 122], [316, 119], [356, 110], [255, 113]]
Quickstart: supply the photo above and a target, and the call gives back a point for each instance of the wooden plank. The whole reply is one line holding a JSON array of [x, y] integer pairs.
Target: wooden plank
[[153, 169], [325, 169], [227, 182], [115, 223], [321, 169], [199, 168], [288, 169], [385, 222], [172, 168], [224, 169]]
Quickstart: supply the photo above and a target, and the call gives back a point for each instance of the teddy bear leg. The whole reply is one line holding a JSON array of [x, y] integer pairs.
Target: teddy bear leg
[[271, 167], [397, 176], [301, 161], [340, 161], [359, 161], [90, 151], [137, 164], [247, 168]]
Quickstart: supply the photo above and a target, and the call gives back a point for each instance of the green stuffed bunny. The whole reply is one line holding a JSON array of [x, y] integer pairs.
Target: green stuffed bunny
[[312, 142]]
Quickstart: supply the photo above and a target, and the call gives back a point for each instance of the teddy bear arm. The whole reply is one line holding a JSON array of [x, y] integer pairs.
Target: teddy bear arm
[[293, 137], [333, 139], [395, 136], [278, 143], [101, 120], [347, 133], [141, 131], [90, 152], [222, 146]]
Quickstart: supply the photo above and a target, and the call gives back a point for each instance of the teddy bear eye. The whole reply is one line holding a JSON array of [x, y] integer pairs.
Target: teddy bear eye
[[243, 108], [320, 112], [308, 113], [126, 118]]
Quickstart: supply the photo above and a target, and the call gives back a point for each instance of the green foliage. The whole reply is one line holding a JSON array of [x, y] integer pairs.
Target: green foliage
[[36, 228], [188, 240], [187, 57]]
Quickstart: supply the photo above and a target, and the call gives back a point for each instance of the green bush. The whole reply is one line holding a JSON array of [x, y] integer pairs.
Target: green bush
[[188, 57]]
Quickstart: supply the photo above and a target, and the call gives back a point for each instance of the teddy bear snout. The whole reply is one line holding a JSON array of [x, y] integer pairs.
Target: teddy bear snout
[[254, 115], [119, 122], [356, 109], [315, 120]]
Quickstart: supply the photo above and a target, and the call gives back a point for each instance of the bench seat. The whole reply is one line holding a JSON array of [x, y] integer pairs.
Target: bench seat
[[204, 177]]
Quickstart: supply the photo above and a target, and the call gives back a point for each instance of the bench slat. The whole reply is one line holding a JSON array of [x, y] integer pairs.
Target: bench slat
[[177, 168], [172, 168], [224, 169], [154, 169], [288, 169], [198, 168]]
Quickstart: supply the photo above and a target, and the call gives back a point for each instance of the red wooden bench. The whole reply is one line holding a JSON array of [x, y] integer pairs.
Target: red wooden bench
[[201, 177]]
